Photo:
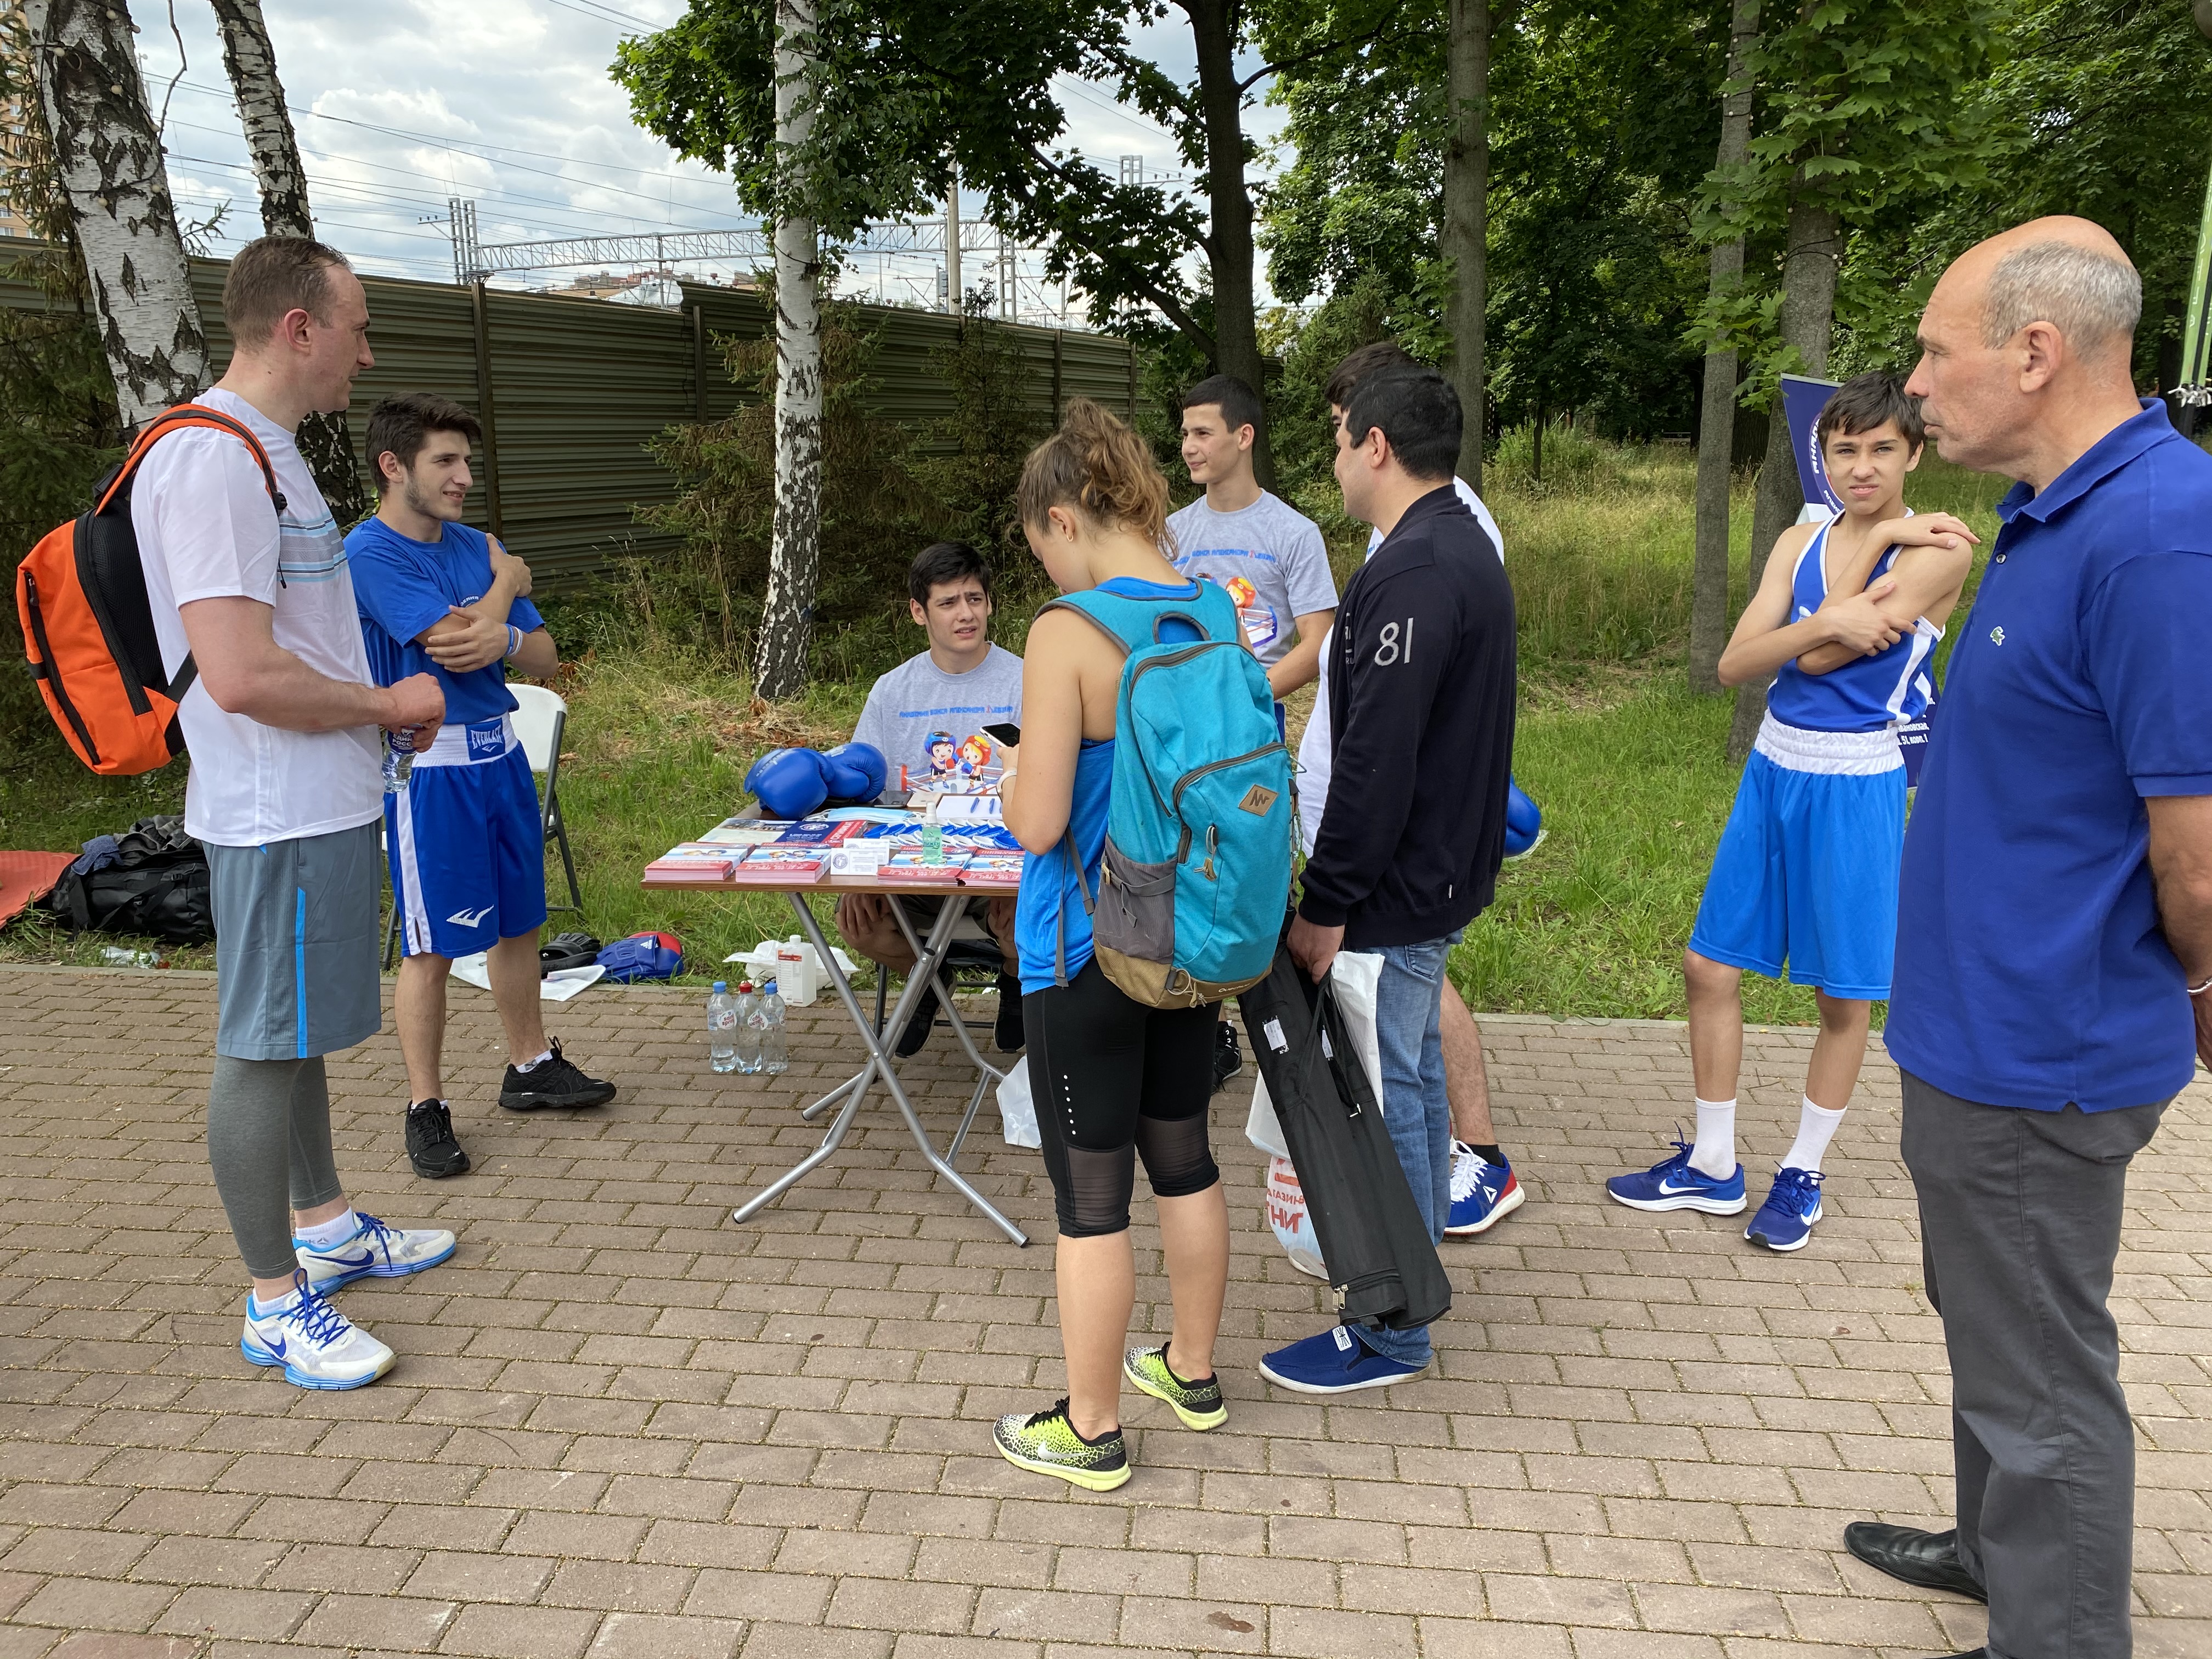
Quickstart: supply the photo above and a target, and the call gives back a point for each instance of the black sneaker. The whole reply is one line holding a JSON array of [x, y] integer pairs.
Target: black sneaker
[[555, 1082], [1009, 1033], [1228, 1058], [917, 1025], [431, 1148]]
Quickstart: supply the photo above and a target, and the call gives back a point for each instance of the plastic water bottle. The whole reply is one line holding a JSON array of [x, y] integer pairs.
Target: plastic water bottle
[[748, 1033], [775, 1052], [721, 1029], [398, 758]]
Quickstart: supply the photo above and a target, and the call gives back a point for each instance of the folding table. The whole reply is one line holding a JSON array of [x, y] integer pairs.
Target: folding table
[[929, 961]]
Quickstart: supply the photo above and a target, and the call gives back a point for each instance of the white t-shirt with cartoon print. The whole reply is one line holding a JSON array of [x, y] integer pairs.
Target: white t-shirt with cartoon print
[[1268, 556]]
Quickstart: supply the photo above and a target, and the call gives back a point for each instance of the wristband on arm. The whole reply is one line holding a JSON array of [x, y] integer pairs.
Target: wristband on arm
[[513, 641]]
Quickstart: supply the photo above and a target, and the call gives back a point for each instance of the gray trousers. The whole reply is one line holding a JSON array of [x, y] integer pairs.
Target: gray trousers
[[2020, 1223]]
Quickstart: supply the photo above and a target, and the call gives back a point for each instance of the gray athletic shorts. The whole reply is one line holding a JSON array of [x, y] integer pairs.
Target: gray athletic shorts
[[295, 953]]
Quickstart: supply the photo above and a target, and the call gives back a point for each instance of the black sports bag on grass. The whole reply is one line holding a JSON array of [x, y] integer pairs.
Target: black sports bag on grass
[[151, 881], [1381, 1262]]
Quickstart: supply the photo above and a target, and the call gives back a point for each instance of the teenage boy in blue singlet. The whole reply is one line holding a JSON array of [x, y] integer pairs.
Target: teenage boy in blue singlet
[[1844, 623], [466, 844]]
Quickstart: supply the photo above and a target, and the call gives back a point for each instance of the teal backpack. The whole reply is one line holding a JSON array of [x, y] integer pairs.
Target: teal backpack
[[1196, 877]]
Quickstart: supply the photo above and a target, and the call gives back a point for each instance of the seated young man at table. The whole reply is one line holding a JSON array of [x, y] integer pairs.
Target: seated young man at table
[[927, 717], [466, 844]]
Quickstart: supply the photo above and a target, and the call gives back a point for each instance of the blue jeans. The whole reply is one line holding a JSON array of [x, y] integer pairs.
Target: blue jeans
[[1415, 1108]]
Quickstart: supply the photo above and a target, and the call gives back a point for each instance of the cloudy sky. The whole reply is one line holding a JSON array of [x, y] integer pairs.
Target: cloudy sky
[[401, 106]]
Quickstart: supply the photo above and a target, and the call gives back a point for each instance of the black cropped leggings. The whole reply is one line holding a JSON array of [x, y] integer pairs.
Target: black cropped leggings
[[1115, 1080]]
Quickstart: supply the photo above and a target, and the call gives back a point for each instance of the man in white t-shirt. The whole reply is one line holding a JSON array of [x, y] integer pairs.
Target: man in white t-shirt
[[285, 791], [1268, 556], [1484, 1189], [929, 717]]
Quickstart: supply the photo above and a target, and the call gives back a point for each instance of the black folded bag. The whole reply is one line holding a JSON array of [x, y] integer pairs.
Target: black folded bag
[[1381, 1262], [567, 950]]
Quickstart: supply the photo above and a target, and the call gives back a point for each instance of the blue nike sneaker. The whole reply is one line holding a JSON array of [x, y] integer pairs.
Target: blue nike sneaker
[[1334, 1362], [1785, 1221], [1672, 1184]]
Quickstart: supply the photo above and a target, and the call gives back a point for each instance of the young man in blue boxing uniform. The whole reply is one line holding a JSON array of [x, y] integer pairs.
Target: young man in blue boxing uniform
[[1844, 620], [465, 840]]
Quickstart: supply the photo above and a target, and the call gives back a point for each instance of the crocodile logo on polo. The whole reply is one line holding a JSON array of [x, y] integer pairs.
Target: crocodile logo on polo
[[1996, 636]]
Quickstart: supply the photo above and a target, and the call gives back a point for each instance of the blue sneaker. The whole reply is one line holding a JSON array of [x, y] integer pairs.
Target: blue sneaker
[[375, 1251], [1482, 1194], [1785, 1221], [1672, 1184], [1334, 1362]]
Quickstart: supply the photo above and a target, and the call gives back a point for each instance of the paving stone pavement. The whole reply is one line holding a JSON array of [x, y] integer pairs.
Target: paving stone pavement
[[621, 1423]]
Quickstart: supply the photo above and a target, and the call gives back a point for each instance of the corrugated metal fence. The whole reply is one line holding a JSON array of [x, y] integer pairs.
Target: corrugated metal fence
[[571, 391]]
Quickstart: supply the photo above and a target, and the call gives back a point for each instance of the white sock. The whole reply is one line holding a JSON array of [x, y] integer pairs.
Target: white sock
[[261, 1310], [324, 1234], [532, 1065], [1713, 1152], [1816, 1127]]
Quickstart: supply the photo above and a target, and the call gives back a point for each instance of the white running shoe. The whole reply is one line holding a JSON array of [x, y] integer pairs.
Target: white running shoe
[[375, 1251], [318, 1347]]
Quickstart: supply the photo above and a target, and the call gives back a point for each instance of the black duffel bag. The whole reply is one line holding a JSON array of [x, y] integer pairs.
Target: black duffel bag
[[1381, 1260], [151, 882]]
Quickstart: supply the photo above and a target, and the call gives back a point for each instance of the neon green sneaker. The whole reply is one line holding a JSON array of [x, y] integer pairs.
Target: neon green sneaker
[[1199, 1404], [1046, 1443]]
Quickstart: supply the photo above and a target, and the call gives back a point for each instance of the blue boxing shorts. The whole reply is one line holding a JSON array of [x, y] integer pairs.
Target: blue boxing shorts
[[467, 846], [1807, 869]]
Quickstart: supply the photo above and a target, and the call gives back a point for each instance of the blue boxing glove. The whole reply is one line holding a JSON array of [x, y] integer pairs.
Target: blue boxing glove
[[1524, 823], [789, 782], [857, 772]]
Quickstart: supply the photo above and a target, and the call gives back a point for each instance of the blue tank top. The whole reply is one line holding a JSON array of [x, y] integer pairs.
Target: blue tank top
[[1867, 693], [1048, 894]]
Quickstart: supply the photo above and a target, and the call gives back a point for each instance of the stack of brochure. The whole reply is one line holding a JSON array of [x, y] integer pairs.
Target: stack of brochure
[[915, 866], [779, 867], [992, 870], [702, 862]]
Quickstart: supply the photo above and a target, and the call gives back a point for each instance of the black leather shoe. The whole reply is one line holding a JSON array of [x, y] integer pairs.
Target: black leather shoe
[[1927, 1559], [919, 1024]]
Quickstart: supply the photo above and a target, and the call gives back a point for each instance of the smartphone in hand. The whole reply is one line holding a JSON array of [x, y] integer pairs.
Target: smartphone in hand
[[1005, 735]]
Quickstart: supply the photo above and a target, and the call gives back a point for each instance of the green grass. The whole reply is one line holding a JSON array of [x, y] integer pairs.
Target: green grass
[[1630, 768]]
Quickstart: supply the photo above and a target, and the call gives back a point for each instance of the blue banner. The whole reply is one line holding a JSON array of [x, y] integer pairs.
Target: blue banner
[[1802, 400]]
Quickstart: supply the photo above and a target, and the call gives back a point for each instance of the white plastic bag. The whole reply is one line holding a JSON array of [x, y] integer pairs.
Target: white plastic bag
[[1286, 1214], [557, 987], [1354, 976], [1016, 1111]]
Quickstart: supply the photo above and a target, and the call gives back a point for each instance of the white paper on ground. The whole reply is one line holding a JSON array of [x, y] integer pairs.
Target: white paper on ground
[[557, 987], [1354, 974], [1017, 1110]]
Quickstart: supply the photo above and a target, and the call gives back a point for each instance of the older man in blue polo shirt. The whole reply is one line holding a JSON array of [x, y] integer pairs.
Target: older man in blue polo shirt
[[2056, 921]]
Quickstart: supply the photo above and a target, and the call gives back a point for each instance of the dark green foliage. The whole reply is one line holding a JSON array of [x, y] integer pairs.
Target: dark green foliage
[[887, 493]]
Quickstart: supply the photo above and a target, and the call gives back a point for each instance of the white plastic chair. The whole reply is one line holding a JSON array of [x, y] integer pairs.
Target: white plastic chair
[[541, 716]]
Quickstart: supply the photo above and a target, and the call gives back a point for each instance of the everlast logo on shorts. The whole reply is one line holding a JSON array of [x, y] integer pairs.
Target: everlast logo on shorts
[[1257, 799]]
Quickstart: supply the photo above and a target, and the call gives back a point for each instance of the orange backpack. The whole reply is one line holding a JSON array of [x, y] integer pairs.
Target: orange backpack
[[89, 626]]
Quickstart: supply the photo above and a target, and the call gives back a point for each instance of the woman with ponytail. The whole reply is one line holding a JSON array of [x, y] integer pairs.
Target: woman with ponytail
[[1115, 1080]]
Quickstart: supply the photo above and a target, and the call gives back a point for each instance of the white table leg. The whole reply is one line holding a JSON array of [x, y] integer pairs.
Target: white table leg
[[879, 1066]]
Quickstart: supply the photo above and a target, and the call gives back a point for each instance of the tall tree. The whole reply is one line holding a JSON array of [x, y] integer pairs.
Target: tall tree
[[1466, 213], [795, 548], [909, 89], [1709, 579], [1866, 106], [325, 442], [108, 157]]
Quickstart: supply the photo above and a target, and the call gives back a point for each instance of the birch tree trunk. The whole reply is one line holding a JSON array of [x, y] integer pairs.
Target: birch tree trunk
[[1709, 579], [1815, 251], [325, 442], [794, 550], [1465, 228], [1229, 211], [108, 158]]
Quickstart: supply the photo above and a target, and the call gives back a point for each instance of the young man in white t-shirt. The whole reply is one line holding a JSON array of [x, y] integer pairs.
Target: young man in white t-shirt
[[1484, 1189], [927, 717], [1268, 556], [285, 791]]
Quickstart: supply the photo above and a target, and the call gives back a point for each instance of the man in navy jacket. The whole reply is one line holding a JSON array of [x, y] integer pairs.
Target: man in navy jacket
[[1421, 739]]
